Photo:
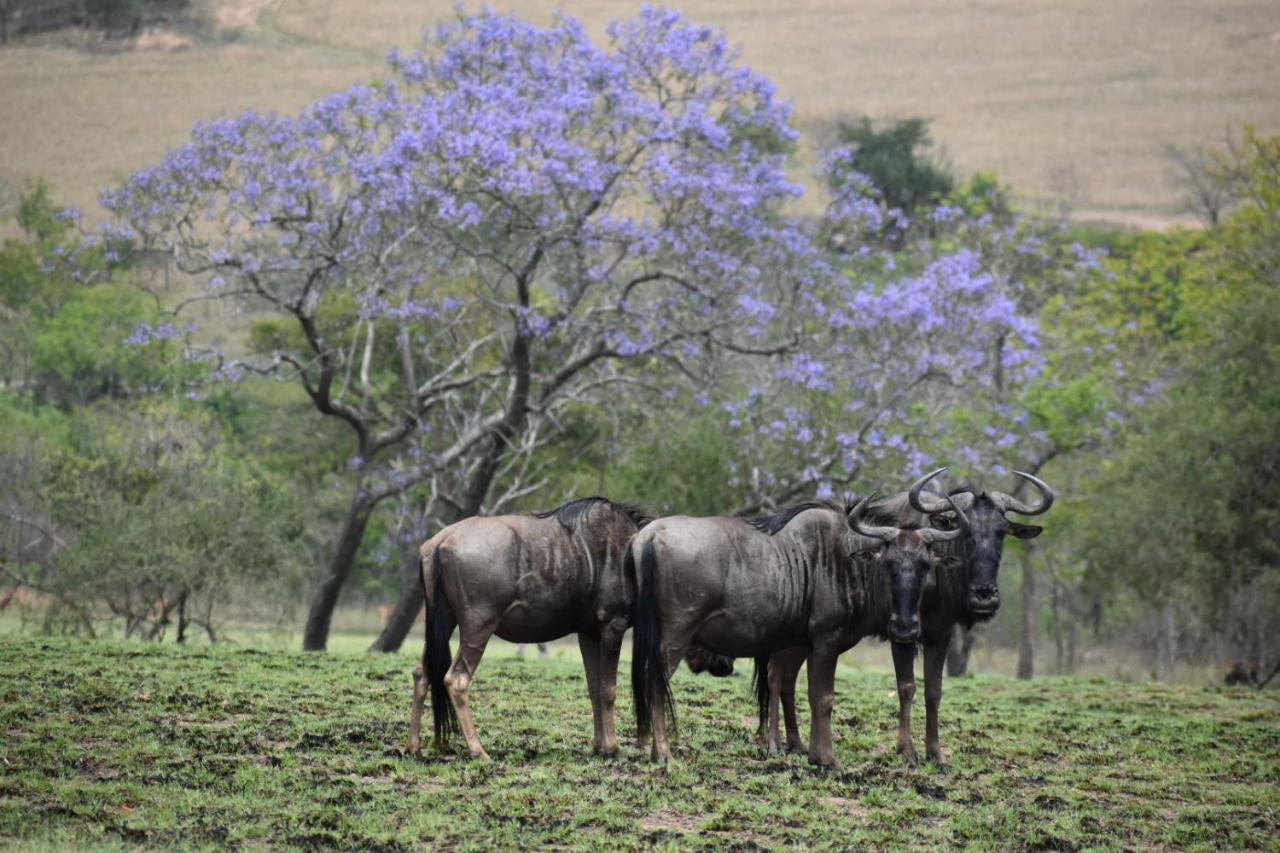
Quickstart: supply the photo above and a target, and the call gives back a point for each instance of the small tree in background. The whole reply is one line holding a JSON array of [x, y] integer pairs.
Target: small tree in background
[[896, 157]]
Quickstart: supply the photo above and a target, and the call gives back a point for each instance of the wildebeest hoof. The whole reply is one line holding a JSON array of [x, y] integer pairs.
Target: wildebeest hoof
[[824, 762], [797, 747], [772, 750], [935, 754], [481, 756], [908, 752]]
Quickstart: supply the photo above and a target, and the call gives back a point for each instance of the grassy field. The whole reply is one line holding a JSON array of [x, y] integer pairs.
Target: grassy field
[[1058, 96], [112, 744]]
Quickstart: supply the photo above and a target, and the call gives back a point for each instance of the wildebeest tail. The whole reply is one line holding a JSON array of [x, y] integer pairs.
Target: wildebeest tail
[[436, 657], [648, 671], [760, 686]]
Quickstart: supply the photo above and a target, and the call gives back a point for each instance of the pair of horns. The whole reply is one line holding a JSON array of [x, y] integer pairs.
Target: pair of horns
[[928, 535], [929, 504]]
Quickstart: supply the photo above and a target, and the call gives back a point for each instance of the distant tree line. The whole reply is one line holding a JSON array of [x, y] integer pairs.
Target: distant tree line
[[21, 17]]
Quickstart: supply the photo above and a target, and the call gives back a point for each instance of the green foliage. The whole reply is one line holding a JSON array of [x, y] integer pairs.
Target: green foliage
[[1198, 467], [83, 352], [156, 519], [896, 157], [115, 743]]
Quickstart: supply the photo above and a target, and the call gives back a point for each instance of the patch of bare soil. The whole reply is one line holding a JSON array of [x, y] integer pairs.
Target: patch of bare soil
[[668, 821], [239, 13], [853, 808], [161, 40]]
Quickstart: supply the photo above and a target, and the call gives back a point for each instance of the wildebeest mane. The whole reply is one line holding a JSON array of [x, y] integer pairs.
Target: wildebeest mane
[[571, 514], [771, 524]]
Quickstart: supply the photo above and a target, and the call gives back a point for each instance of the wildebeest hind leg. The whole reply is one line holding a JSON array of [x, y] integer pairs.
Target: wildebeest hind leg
[[458, 682], [934, 657], [610, 648], [590, 647], [672, 654], [415, 712], [904, 667]]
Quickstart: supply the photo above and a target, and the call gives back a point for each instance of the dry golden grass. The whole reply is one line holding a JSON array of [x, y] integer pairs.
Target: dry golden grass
[[1075, 96]]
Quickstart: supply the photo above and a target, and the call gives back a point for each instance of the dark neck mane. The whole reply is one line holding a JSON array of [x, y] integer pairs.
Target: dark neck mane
[[571, 514], [771, 524]]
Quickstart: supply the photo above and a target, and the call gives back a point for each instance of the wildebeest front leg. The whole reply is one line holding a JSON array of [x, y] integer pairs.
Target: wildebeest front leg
[[822, 700], [590, 647], [415, 713], [934, 658], [458, 683], [792, 661], [610, 649], [904, 666]]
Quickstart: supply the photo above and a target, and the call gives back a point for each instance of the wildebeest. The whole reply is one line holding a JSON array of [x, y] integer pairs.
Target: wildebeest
[[528, 578], [1241, 671], [963, 591], [805, 576]]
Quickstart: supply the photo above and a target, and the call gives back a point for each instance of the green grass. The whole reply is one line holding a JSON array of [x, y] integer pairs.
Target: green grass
[[124, 745]]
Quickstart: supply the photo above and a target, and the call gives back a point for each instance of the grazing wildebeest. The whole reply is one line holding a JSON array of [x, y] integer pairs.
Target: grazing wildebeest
[[527, 578], [1241, 671], [806, 576], [963, 591]]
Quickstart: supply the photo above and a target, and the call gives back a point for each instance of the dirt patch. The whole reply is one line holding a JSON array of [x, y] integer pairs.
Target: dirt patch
[[668, 821], [853, 808], [96, 772], [161, 40], [239, 13]]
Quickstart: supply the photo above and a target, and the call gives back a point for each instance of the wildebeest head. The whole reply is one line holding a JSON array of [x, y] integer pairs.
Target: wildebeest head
[[985, 527], [907, 556]]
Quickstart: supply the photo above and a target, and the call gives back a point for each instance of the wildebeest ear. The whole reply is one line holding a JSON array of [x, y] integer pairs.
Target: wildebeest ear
[[1024, 531]]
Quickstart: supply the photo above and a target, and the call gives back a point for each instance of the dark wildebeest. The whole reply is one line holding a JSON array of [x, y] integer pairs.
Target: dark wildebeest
[[803, 577], [528, 578], [962, 591]]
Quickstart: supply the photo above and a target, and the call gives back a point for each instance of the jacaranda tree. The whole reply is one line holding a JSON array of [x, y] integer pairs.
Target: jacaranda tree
[[514, 221]]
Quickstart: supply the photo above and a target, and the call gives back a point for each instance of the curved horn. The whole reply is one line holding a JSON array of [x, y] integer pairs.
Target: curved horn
[[929, 535], [885, 534], [1008, 503], [929, 504]]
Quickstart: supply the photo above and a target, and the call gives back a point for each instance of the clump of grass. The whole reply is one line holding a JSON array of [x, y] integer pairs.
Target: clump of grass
[[115, 743]]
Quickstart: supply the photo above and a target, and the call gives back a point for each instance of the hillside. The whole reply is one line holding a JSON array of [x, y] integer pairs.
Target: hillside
[[1074, 97]]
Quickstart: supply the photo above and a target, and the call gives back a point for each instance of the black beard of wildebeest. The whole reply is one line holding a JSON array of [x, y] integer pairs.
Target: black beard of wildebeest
[[528, 578], [962, 590], [807, 576]]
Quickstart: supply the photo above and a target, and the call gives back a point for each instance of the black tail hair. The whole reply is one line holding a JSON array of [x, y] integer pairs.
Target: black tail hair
[[760, 685], [436, 656], [648, 670]]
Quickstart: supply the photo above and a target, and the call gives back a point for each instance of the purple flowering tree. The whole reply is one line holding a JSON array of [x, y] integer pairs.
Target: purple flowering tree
[[515, 221], [928, 355]]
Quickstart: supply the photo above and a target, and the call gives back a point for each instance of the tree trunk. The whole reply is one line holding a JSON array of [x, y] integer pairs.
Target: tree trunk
[[1169, 642], [182, 618], [958, 651], [1055, 592], [1026, 643], [316, 634]]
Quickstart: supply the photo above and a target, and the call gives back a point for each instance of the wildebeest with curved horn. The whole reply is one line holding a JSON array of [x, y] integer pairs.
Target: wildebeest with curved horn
[[529, 578], [802, 577], [963, 591]]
